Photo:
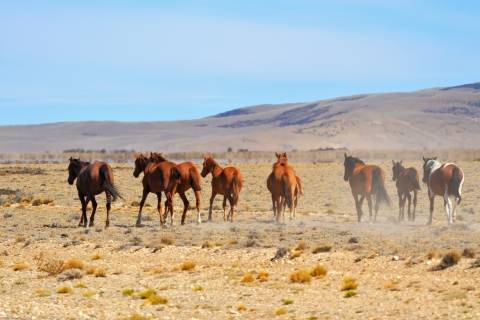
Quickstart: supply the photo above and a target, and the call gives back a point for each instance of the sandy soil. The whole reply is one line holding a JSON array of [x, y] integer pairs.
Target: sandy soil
[[389, 261]]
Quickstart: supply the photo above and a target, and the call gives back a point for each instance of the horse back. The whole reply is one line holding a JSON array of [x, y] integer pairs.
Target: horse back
[[189, 177], [157, 176], [90, 179], [408, 180], [440, 178], [362, 178]]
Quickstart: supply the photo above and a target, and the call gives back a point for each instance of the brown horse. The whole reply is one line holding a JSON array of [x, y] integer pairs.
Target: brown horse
[[156, 179], [225, 181], [365, 181], [284, 187], [165, 176], [92, 179], [443, 180], [406, 180]]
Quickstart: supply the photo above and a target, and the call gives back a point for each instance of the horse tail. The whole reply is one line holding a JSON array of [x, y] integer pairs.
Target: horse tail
[[455, 184], [299, 186], [288, 193], [108, 184], [378, 187], [195, 179], [235, 189]]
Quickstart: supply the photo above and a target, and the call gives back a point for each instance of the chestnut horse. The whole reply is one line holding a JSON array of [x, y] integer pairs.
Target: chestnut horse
[[225, 181], [365, 181], [92, 179], [443, 180], [165, 176], [406, 180], [284, 187]]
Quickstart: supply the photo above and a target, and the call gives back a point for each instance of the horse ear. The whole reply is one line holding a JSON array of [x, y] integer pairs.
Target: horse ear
[[424, 160], [71, 158], [401, 161], [277, 154], [434, 158], [393, 162], [345, 155]]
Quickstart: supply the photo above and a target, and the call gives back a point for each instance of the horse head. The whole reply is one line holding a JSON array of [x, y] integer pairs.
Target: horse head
[[208, 165], [141, 162], [282, 158], [428, 164], [397, 168], [349, 164], [74, 167]]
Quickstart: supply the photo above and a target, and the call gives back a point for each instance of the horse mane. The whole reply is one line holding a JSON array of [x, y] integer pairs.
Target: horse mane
[[157, 157], [357, 160]]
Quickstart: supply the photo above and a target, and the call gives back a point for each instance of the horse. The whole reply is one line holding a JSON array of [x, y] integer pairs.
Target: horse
[[406, 180], [156, 179], [284, 187], [226, 181], [365, 181], [92, 179], [443, 180], [165, 176]]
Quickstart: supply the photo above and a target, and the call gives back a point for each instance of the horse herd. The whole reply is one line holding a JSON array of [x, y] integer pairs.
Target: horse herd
[[163, 176]]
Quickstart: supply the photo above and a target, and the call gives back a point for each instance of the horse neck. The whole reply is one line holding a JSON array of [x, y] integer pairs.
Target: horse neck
[[358, 166], [434, 167], [217, 169]]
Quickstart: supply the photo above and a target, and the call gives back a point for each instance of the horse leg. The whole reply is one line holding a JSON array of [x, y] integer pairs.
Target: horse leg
[[369, 202], [83, 217], [432, 199], [278, 205], [274, 208], [357, 207], [197, 206], [186, 205], [169, 205], [414, 204], [224, 205], [159, 207], [377, 207], [94, 210], [85, 220], [448, 206], [409, 199], [399, 205], [232, 208], [109, 206], [142, 203], [454, 210], [212, 198]]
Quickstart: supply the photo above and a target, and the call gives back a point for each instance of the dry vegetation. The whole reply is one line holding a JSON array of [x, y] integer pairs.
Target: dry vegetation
[[331, 268]]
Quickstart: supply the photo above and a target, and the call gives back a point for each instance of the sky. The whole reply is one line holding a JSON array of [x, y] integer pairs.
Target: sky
[[165, 60]]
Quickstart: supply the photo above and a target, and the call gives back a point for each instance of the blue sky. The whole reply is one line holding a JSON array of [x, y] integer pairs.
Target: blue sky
[[163, 60]]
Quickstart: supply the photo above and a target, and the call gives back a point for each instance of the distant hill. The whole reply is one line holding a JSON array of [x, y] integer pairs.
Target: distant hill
[[432, 118]]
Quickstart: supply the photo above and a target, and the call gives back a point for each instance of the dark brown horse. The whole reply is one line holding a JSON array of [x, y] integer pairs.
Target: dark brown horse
[[225, 181], [407, 181], [365, 181], [443, 180], [92, 179], [284, 187], [156, 179], [165, 176]]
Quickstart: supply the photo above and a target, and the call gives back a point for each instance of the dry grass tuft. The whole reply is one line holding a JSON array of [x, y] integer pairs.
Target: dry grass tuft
[[207, 244], [300, 276], [241, 308], [156, 270], [262, 276], [432, 254], [391, 285], [137, 316], [350, 294], [349, 283], [197, 288], [248, 278], [301, 246], [91, 270], [146, 293], [64, 290], [73, 264], [80, 285], [321, 249], [318, 271], [100, 273], [167, 241], [42, 292], [20, 266], [96, 256], [281, 312], [468, 253], [155, 299], [187, 265], [128, 292], [295, 254], [287, 302], [448, 260], [89, 293]]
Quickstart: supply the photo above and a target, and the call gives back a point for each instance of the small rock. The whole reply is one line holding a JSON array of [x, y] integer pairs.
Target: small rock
[[70, 274], [353, 240]]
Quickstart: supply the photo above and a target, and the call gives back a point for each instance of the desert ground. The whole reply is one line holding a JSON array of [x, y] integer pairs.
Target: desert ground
[[334, 267]]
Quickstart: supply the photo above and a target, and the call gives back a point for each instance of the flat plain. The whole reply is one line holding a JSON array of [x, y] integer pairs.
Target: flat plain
[[333, 268]]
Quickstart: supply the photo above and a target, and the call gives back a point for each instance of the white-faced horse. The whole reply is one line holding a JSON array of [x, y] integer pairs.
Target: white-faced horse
[[443, 180]]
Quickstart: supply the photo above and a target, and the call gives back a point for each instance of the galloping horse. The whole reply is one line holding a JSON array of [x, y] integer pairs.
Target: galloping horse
[[406, 182], [365, 181], [92, 179], [443, 180], [284, 187], [225, 181], [156, 179], [165, 176]]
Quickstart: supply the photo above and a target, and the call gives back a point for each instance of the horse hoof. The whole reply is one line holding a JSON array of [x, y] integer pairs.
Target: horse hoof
[[138, 225]]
